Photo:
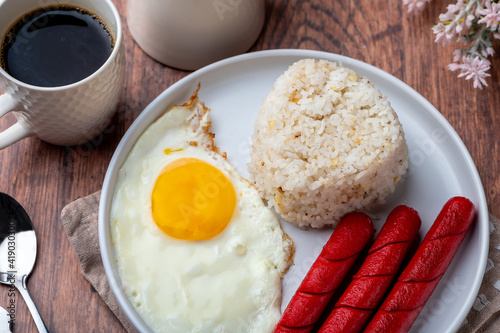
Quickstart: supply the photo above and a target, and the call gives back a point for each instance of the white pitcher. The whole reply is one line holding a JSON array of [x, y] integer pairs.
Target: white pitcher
[[189, 34]]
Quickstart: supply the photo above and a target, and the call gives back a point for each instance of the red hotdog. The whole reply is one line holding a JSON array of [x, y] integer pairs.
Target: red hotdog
[[332, 265], [422, 274], [369, 285]]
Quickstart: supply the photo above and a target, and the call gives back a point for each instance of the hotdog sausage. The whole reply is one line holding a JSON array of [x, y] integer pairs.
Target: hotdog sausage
[[327, 272], [422, 274], [369, 285]]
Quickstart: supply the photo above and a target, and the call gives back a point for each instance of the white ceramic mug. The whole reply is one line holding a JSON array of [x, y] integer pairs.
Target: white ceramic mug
[[190, 34], [66, 115]]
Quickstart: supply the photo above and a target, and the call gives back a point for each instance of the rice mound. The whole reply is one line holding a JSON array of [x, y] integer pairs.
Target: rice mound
[[325, 143]]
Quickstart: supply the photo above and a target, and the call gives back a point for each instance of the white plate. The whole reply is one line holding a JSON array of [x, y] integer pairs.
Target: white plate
[[440, 168]]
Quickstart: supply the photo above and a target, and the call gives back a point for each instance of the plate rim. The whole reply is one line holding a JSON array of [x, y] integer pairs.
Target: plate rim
[[140, 121]]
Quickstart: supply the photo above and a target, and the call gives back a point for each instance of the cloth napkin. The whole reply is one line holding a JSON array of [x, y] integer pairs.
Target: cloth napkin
[[79, 220]]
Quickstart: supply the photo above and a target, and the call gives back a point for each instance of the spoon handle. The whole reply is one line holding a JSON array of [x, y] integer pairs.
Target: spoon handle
[[37, 318]]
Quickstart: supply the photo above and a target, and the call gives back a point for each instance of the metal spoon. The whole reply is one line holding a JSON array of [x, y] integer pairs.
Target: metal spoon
[[5, 321], [18, 251]]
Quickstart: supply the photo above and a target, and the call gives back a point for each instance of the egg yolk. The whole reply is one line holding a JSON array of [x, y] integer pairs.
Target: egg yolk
[[192, 200]]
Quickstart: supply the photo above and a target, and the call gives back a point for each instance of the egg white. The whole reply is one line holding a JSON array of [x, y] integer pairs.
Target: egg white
[[230, 283]]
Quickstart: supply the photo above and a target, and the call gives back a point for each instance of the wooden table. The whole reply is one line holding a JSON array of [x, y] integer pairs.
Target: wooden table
[[45, 178]]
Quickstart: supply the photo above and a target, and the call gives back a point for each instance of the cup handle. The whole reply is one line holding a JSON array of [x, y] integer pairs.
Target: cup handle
[[16, 132]]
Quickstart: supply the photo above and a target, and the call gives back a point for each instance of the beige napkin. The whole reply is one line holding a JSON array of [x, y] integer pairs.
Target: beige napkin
[[485, 314], [80, 223], [79, 220]]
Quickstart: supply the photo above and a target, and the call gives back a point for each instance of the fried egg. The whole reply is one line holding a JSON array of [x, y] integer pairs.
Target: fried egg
[[196, 248]]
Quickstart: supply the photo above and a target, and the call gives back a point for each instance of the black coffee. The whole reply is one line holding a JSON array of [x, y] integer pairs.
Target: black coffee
[[56, 46]]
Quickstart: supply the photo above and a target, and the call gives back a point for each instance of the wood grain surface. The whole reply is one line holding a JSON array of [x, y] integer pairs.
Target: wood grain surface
[[44, 178]]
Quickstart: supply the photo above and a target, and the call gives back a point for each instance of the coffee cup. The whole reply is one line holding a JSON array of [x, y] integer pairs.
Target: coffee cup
[[68, 113]]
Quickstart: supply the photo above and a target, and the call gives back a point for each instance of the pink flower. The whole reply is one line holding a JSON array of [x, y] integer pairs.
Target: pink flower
[[415, 5], [473, 23], [458, 7], [469, 20], [453, 67], [472, 68], [491, 15], [488, 52], [442, 36]]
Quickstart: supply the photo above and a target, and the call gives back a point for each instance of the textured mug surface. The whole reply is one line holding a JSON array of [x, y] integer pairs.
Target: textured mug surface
[[190, 34], [70, 114]]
